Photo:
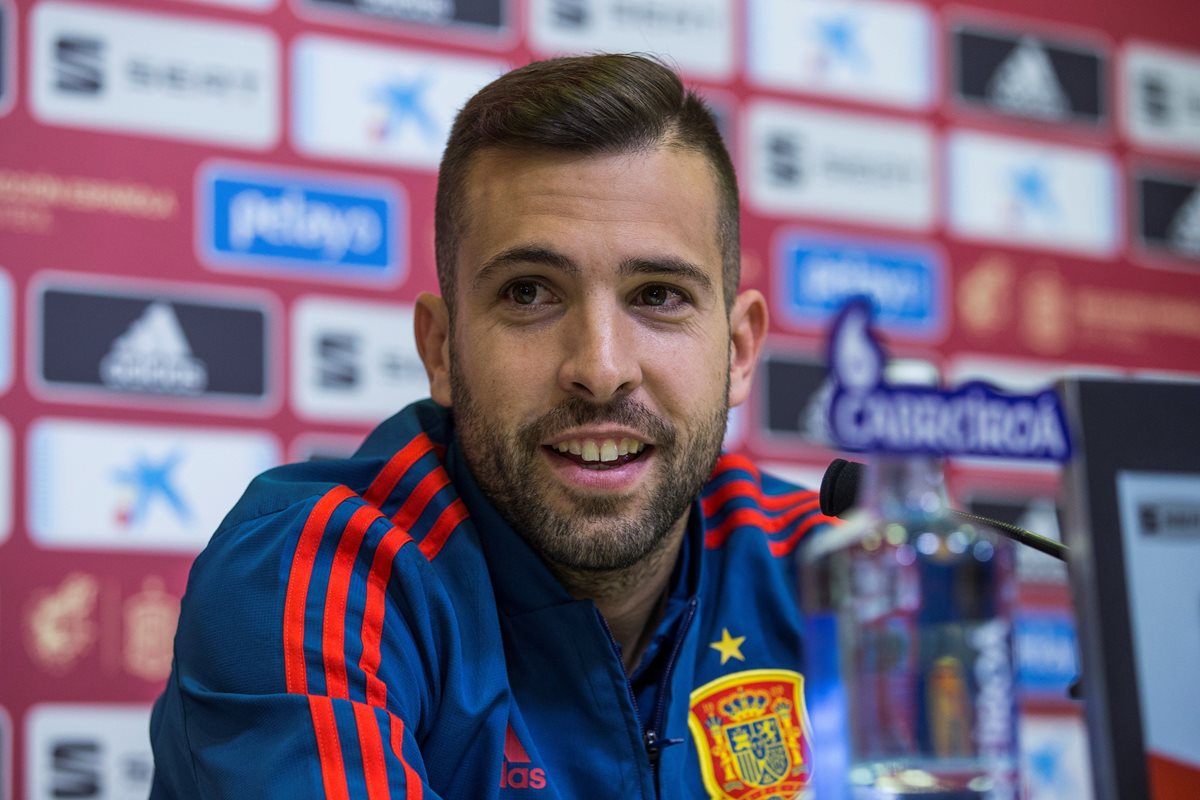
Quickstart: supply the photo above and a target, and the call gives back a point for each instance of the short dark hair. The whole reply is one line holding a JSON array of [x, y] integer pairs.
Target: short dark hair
[[598, 104]]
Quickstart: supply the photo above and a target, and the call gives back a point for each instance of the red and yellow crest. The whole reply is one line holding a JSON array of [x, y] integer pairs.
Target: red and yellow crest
[[752, 735]]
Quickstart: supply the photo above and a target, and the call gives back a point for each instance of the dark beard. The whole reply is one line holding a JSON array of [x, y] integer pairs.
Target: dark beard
[[600, 536]]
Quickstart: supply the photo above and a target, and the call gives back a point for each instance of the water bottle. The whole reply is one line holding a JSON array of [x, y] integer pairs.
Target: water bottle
[[909, 638]]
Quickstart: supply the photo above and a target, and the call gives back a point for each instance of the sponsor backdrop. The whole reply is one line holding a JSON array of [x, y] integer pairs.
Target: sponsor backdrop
[[215, 216]]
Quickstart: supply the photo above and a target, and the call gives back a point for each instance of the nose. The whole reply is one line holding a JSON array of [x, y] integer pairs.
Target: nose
[[600, 362]]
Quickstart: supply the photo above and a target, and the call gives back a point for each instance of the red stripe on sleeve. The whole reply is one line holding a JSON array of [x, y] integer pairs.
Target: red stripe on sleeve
[[297, 588], [752, 516], [748, 488], [447, 521], [373, 612], [412, 781], [415, 503], [371, 744], [782, 547], [333, 632], [394, 470], [329, 749], [732, 461]]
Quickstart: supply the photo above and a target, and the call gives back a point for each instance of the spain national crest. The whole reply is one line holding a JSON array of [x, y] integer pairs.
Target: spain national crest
[[752, 735]]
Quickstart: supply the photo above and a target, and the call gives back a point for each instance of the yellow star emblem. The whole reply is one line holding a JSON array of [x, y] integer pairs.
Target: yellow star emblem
[[729, 646]]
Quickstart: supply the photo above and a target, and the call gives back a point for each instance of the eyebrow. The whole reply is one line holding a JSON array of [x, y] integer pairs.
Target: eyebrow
[[668, 265], [544, 256], [525, 255]]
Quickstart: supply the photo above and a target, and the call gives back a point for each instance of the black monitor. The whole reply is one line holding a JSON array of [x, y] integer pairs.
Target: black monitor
[[1132, 521]]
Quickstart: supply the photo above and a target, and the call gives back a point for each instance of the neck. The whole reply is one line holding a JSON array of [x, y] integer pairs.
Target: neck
[[632, 599]]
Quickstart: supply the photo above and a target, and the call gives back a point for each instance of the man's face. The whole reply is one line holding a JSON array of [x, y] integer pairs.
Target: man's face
[[590, 353]]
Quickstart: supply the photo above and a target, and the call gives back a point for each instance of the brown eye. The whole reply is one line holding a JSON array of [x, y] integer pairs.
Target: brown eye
[[655, 295], [524, 293]]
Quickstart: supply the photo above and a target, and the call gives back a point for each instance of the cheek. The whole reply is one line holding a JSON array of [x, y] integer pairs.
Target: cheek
[[502, 373], [692, 379]]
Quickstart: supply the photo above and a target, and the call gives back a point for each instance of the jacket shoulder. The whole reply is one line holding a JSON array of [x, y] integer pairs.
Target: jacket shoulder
[[746, 507]]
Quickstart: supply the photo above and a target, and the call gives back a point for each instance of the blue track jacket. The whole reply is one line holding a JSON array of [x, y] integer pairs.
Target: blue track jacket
[[372, 628]]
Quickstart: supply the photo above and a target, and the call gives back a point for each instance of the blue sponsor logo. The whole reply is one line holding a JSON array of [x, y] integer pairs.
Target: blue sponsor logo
[[291, 222], [1030, 186], [838, 43], [1046, 653], [151, 480], [818, 274], [401, 102], [867, 414]]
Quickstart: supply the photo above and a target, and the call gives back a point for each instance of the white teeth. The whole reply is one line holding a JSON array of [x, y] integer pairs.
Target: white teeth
[[601, 450]]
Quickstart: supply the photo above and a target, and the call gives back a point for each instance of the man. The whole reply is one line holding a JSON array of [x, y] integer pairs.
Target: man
[[545, 581]]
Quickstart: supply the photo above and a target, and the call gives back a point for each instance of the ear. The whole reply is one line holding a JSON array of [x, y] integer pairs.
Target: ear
[[431, 326], [747, 333]]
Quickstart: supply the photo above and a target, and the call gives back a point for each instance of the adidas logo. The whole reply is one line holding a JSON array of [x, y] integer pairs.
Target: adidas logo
[[1184, 233], [515, 772], [154, 356], [1025, 84]]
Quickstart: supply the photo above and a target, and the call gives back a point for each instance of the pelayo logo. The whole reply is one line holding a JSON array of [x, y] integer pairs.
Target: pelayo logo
[[868, 414]]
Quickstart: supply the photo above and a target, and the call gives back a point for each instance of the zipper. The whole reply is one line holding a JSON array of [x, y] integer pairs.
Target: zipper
[[612, 640], [650, 738], [655, 745]]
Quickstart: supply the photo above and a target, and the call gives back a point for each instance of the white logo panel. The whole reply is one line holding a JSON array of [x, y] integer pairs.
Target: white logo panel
[[1162, 97], [1018, 191], [356, 101], [6, 767], [354, 361], [694, 35], [852, 167], [246, 5], [156, 75], [111, 486], [877, 52], [6, 481], [88, 750], [8, 321]]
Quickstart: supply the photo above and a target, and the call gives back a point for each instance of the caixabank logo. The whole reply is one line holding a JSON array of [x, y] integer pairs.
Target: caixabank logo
[[300, 224], [137, 487], [389, 105], [694, 35], [154, 75], [1168, 215], [876, 51], [171, 347], [1043, 78], [84, 750], [1025, 192]]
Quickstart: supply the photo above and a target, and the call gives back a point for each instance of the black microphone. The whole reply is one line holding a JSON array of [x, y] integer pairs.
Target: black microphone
[[839, 493]]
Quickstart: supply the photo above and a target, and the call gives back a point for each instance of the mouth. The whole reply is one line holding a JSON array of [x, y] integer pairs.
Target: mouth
[[600, 454]]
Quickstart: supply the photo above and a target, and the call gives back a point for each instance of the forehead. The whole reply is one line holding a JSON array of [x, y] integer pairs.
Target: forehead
[[662, 199]]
